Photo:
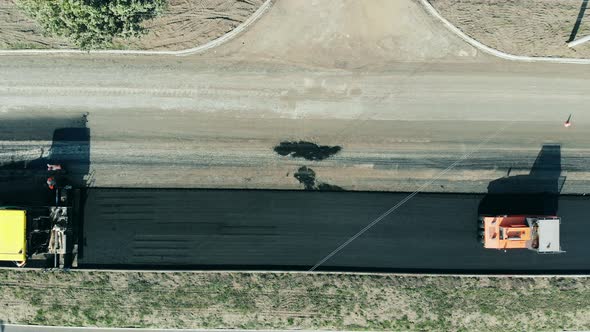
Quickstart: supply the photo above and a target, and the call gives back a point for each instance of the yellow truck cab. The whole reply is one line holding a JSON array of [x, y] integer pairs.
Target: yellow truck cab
[[13, 236]]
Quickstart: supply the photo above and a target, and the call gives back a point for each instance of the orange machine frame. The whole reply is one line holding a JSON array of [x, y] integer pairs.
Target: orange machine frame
[[508, 232]]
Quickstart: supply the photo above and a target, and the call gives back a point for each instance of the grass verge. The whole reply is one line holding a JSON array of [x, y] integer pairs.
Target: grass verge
[[293, 301]]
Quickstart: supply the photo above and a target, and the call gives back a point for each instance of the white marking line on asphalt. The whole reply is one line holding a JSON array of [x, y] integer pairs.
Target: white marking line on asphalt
[[410, 196]]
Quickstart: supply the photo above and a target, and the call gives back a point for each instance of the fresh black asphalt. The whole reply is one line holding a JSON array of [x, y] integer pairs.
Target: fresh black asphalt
[[248, 229]]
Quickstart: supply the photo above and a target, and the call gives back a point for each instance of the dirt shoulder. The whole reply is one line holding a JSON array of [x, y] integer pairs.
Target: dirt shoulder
[[524, 27], [348, 35], [293, 301], [185, 24]]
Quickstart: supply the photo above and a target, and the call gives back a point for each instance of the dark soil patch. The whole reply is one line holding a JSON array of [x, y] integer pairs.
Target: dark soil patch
[[307, 150]]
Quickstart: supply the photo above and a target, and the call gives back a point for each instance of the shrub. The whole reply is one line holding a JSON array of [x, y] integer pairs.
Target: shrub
[[93, 23]]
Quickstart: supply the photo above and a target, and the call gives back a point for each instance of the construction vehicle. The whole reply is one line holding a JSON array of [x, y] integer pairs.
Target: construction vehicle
[[44, 234], [537, 233]]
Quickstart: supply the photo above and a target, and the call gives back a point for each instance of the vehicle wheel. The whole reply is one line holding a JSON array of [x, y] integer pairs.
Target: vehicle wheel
[[481, 233]]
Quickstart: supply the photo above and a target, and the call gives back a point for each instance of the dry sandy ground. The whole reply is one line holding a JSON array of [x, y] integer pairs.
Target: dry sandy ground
[[189, 23], [294, 301], [347, 34], [17, 31], [520, 27], [186, 24]]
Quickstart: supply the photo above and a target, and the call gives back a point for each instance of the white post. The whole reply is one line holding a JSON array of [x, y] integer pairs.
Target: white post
[[578, 41]]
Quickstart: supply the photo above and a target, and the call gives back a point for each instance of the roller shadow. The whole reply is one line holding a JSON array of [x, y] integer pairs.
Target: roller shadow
[[536, 193]]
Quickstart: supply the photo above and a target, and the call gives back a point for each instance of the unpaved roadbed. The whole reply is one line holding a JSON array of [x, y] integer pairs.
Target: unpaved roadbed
[[184, 25], [523, 27], [210, 126]]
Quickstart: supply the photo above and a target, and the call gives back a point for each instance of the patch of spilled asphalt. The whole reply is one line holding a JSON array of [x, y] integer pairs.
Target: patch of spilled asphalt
[[321, 186], [306, 176], [306, 150]]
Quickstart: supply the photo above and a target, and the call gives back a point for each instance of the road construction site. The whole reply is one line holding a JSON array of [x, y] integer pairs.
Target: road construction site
[[407, 105], [155, 228], [293, 230]]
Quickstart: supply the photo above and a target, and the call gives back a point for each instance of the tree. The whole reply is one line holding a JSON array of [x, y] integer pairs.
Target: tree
[[93, 24]]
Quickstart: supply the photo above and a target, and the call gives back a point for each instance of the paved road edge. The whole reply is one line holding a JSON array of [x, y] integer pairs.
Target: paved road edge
[[486, 49], [198, 49], [359, 273]]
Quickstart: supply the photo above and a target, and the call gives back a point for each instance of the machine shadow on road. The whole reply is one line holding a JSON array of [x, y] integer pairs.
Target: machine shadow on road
[[23, 172], [536, 193], [24, 167]]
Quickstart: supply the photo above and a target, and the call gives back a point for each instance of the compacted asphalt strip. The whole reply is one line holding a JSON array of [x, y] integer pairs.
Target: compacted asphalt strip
[[233, 229]]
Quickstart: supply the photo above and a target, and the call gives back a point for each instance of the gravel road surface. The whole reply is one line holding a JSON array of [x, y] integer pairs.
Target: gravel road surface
[[188, 124]]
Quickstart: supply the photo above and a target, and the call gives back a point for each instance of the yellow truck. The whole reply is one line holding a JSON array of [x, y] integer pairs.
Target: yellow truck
[[13, 236], [41, 234]]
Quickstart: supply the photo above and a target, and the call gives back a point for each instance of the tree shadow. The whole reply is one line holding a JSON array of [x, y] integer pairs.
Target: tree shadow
[[578, 21], [536, 193], [307, 177]]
